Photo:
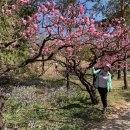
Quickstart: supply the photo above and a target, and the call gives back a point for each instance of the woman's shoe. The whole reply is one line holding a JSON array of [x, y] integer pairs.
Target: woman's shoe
[[104, 110]]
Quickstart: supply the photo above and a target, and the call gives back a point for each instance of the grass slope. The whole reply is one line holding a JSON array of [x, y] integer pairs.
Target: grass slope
[[43, 103]]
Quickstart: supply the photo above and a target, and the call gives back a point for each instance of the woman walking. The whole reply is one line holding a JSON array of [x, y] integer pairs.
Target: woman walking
[[103, 83]]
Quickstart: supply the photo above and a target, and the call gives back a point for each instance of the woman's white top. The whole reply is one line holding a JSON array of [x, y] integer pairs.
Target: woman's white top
[[103, 76]]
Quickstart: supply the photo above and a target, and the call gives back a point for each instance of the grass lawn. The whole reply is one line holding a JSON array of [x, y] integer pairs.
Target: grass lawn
[[43, 103]]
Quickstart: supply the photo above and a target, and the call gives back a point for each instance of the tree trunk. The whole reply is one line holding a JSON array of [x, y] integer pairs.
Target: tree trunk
[[119, 71], [68, 80], [119, 74], [67, 76], [2, 101], [43, 65], [125, 72], [125, 78], [121, 15], [90, 89], [5, 126]]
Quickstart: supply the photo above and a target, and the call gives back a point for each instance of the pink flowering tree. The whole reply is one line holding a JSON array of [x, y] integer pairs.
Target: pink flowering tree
[[21, 32], [67, 33], [70, 30], [98, 45], [20, 35]]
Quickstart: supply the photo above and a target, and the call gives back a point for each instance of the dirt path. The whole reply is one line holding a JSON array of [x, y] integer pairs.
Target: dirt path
[[120, 121]]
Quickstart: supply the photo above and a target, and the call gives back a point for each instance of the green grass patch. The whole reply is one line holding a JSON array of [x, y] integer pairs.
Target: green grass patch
[[44, 103]]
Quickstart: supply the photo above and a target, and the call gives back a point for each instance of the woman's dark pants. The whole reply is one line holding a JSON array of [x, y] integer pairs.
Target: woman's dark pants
[[103, 94]]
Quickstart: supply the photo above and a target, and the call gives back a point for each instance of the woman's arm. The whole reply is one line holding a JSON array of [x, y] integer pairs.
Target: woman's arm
[[110, 81], [95, 71]]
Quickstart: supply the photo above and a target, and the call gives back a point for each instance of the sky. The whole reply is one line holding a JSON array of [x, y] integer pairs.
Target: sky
[[89, 12], [89, 6]]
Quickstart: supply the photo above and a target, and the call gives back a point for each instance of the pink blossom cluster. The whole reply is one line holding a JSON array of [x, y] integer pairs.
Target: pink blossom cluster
[[71, 30], [25, 1]]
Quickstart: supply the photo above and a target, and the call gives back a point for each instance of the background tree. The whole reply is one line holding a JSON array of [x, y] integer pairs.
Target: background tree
[[71, 30], [115, 9]]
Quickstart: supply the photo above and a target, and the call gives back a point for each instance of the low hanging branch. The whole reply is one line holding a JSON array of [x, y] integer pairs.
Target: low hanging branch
[[32, 60]]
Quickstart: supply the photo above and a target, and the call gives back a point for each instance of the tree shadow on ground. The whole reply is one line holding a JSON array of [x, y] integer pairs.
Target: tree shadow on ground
[[85, 111], [78, 116], [121, 122], [71, 106], [89, 113], [7, 83], [126, 95]]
